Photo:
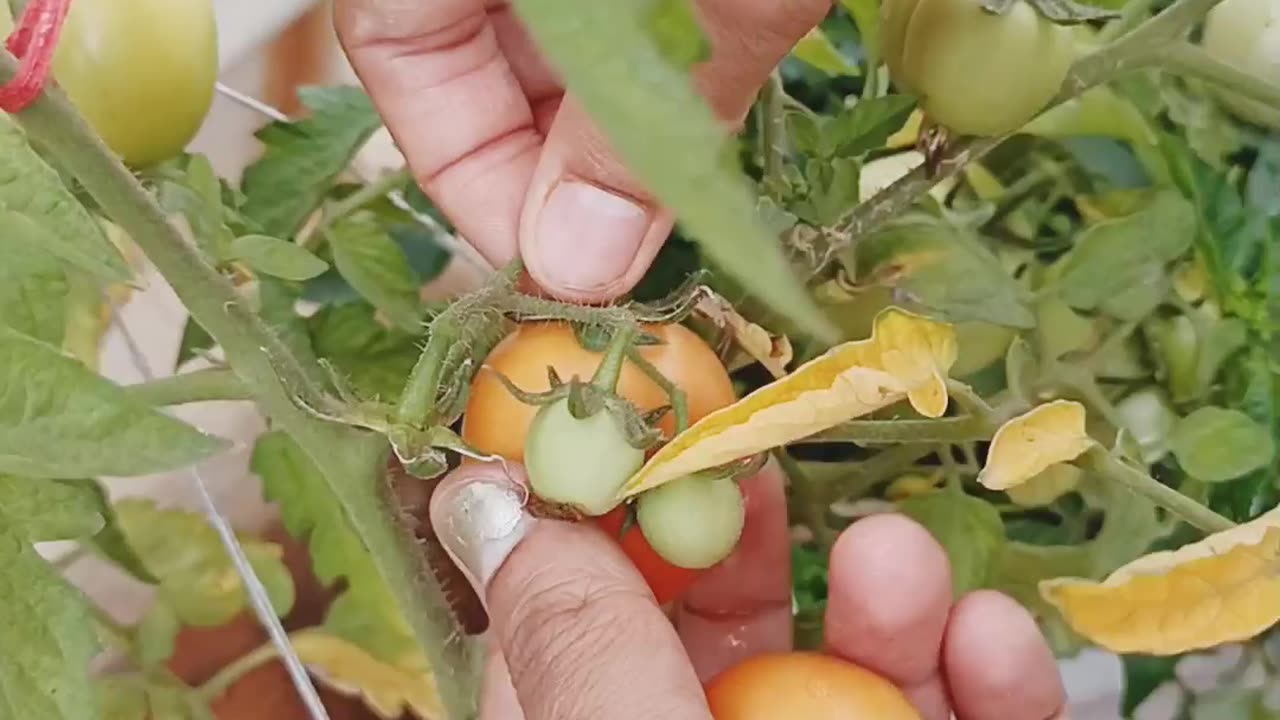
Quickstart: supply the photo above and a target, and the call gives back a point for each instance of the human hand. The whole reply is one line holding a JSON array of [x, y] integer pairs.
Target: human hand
[[576, 635], [517, 167]]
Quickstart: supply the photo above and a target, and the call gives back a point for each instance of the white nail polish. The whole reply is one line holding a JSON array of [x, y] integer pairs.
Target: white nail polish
[[480, 525]]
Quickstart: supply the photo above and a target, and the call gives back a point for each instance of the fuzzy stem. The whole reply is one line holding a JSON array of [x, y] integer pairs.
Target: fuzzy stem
[[350, 460], [871, 432], [421, 390], [1192, 61], [679, 401], [610, 368], [773, 127], [1111, 469], [196, 386], [230, 674]]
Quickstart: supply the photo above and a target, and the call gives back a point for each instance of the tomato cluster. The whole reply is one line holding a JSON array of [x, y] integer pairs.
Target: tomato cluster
[[975, 72], [681, 528], [142, 72]]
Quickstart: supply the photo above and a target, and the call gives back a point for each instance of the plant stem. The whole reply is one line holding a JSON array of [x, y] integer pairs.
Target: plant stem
[[421, 390], [196, 386], [773, 126], [351, 460], [610, 368], [871, 432], [812, 498], [1111, 469], [1192, 61], [214, 687], [364, 195], [679, 401]]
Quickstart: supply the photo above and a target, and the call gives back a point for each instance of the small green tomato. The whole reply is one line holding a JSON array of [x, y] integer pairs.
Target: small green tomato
[[1246, 35], [693, 522], [579, 462]]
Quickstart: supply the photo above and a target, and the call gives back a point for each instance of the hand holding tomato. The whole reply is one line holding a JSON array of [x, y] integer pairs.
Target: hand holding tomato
[[576, 635]]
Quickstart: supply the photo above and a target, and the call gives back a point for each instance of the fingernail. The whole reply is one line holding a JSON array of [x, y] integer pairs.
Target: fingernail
[[480, 522], [586, 237]]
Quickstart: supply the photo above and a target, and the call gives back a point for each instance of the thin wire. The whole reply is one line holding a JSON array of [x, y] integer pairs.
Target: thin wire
[[259, 600], [453, 243]]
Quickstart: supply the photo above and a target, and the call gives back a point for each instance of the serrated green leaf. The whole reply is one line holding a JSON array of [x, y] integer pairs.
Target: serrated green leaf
[[1215, 444], [852, 132], [668, 136], [969, 529], [675, 31], [59, 420], [833, 189], [157, 634], [197, 579], [33, 196], [946, 269], [197, 195], [33, 287], [303, 158], [46, 510], [366, 613], [1114, 255], [375, 359], [376, 267], [47, 634], [817, 50], [276, 257]]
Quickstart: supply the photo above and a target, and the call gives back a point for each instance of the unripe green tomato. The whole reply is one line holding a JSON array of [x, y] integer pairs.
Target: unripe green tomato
[[1149, 419], [579, 462], [1246, 35], [142, 72], [1177, 346], [693, 522], [975, 72]]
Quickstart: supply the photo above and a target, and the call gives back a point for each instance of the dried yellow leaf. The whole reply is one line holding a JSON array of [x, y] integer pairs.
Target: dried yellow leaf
[[906, 354], [388, 690], [1025, 446], [1049, 485], [1223, 589], [773, 352]]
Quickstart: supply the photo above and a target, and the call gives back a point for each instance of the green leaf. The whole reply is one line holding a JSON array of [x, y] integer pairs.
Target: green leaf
[[969, 529], [277, 257], [1142, 675], [197, 579], [833, 189], [36, 207], [59, 420], [868, 125], [33, 289], [46, 510], [197, 194], [47, 634], [157, 634], [1215, 444], [668, 136], [376, 267], [376, 359], [866, 15], [195, 340], [1114, 255], [946, 269], [303, 158], [135, 697], [1262, 189], [816, 49], [291, 479], [1138, 300], [675, 31]]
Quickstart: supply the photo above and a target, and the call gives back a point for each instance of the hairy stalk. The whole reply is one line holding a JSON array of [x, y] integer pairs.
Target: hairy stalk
[[196, 386], [872, 432], [679, 401], [222, 681], [1111, 469], [773, 127], [1192, 61], [351, 460], [418, 400]]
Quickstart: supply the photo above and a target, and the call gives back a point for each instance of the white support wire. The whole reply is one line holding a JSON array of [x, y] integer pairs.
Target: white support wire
[[259, 600]]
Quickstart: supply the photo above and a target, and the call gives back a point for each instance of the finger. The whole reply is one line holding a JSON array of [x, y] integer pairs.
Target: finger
[[997, 664], [539, 81], [579, 629], [438, 77], [889, 592], [742, 607], [589, 230]]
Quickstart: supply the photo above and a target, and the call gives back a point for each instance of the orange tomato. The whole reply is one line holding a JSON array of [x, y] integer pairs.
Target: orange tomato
[[496, 422], [804, 686]]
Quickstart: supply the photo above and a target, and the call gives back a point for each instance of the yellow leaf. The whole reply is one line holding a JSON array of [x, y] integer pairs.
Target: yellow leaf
[[1028, 444], [911, 485], [1049, 485], [1223, 589], [919, 352], [774, 353], [387, 690], [905, 354], [907, 135]]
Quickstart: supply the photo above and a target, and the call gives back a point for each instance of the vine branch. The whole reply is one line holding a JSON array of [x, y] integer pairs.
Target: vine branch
[[191, 387]]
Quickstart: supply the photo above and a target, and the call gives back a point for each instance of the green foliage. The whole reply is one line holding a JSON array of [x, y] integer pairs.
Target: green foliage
[[276, 257], [968, 528], [1214, 444], [376, 267]]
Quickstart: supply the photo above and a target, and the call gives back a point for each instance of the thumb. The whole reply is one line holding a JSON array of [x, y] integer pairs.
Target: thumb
[[580, 631], [588, 229]]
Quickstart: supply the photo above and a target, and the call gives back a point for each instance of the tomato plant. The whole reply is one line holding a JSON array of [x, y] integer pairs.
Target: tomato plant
[[141, 71], [581, 462], [804, 685], [977, 73]]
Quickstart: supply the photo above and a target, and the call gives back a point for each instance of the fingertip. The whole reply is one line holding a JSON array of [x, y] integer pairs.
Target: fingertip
[[888, 598], [997, 663]]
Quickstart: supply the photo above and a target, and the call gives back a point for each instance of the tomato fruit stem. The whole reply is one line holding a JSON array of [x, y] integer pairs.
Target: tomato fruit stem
[[33, 42], [610, 369], [679, 401]]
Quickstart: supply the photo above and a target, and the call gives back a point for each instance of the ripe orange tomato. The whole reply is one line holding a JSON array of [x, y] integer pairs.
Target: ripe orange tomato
[[496, 422], [804, 686]]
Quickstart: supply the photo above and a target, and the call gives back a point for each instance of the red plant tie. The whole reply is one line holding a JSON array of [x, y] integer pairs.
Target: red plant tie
[[33, 42]]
